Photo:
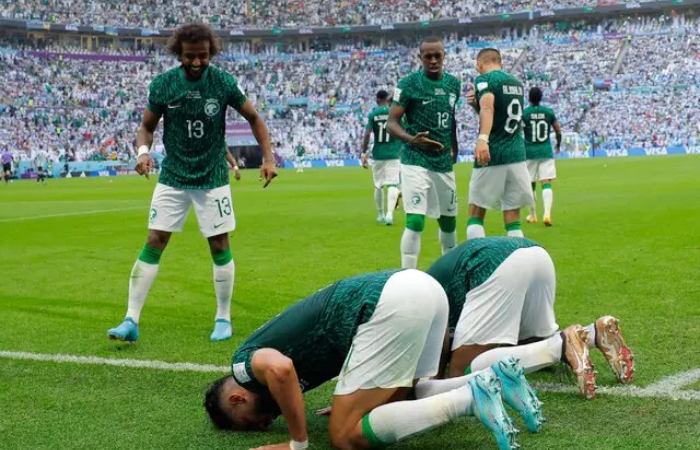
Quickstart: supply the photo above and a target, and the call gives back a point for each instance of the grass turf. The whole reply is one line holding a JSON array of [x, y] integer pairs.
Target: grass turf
[[625, 242]]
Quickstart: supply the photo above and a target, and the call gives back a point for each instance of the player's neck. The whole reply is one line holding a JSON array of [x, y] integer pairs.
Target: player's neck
[[435, 76]]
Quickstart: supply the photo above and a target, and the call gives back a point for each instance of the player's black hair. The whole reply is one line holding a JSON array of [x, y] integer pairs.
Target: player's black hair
[[193, 32], [490, 53], [535, 95], [382, 94], [212, 403], [430, 40]]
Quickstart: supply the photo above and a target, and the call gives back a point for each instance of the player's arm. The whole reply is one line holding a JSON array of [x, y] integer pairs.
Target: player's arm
[[471, 99], [144, 141], [365, 146], [486, 110], [557, 134], [276, 371], [455, 143], [257, 124], [395, 129], [234, 165]]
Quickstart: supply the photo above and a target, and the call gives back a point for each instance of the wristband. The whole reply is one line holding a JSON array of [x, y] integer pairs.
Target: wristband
[[143, 150], [296, 445], [483, 137]]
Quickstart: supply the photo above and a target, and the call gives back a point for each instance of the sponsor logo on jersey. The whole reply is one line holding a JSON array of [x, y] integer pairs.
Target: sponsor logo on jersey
[[211, 107], [425, 102], [174, 106], [240, 374], [440, 91], [194, 94]]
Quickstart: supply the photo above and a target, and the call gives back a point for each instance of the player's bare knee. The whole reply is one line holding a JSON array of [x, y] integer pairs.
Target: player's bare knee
[[218, 243], [158, 239], [348, 440]]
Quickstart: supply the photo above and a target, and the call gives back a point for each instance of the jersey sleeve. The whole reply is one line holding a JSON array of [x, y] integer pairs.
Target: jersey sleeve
[[402, 94], [483, 86], [235, 94], [155, 102], [242, 370], [368, 125]]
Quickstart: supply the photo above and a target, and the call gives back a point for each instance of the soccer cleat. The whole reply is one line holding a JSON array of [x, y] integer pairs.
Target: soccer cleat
[[547, 221], [127, 331], [517, 393], [575, 354], [380, 219], [488, 407], [222, 330], [531, 219], [389, 219], [608, 339]]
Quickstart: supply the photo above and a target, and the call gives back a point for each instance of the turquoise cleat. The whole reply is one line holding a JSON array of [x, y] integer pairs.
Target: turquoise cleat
[[517, 393], [488, 407], [127, 331], [222, 330]]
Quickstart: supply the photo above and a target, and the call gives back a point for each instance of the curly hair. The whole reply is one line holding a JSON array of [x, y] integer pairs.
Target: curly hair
[[193, 32], [212, 403]]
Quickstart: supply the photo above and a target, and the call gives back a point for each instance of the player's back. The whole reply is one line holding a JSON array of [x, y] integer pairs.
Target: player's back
[[537, 126], [385, 146], [506, 143]]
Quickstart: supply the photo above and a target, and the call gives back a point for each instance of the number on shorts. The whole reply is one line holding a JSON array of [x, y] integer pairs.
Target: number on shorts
[[515, 113], [224, 205]]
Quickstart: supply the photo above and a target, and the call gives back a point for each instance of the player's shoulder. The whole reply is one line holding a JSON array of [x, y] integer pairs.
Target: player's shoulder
[[166, 78], [410, 79], [217, 73], [451, 80], [548, 110], [510, 78]]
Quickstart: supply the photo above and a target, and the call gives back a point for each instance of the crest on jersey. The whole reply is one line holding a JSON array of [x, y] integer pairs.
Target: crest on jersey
[[211, 107], [453, 100]]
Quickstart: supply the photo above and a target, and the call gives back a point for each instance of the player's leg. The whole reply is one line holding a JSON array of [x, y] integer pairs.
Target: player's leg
[[445, 188], [378, 181], [532, 165], [548, 174], [415, 185], [391, 182], [475, 223], [485, 192], [216, 218], [517, 193], [605, 335], [169, 207]]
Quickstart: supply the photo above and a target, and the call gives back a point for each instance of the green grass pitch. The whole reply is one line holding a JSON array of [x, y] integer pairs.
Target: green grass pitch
[[626, 241]]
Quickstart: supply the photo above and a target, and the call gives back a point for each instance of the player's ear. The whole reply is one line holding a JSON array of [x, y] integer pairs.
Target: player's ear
[[236, 398]]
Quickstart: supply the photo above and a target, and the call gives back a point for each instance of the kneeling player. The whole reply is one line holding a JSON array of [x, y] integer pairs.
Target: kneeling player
[[501, 293], [378, 333]]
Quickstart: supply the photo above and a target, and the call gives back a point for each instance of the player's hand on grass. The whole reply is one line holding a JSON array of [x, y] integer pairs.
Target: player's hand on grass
[[324, 411], [268, 172], [422, 140], [282, 446], [144, 165], [481, 153]]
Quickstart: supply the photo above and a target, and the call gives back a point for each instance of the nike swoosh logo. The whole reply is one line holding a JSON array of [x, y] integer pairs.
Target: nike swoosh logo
[[218, 225], [173, 106], [220, 281], [425, 102]]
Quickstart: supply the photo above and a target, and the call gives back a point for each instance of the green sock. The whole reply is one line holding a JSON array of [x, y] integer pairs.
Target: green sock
[[475, 221], [150, 255], [513, 226], [222, 258]]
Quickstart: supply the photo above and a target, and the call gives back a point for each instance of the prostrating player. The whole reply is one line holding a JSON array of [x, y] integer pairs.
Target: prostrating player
[[378, 333], [500, 179], [7, 160], [192, 99], [538, 122], [385, 153], [501, 292], [427, 98]]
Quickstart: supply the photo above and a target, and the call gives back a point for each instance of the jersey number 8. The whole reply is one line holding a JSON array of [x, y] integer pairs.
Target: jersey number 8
[[515, 113]]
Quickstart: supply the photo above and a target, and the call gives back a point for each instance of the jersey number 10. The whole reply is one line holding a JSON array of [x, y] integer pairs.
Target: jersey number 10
[[539, 131]]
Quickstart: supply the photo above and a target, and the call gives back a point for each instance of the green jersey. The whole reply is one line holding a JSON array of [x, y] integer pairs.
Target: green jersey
[[385, 145], [506, 143], [429, 106], [537, 125], [470, 264], [315, 333], [194, 120]]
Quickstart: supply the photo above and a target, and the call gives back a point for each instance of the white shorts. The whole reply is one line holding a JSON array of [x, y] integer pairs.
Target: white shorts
[[429, 193], [385, 172], [403, 339], [516, 302], [541, 169], [213, 207], [505, 187]]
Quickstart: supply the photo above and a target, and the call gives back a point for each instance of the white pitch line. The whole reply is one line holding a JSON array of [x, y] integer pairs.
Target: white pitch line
[[77, 213], [668, 387], [96, 360]]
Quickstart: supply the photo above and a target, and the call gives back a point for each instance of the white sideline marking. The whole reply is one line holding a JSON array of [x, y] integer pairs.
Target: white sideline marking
[[96, 360], [78, 213], [668, 387]]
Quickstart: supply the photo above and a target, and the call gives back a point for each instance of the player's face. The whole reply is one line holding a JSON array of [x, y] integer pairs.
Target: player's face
[[255, 414], [195, 58], [432, 56]]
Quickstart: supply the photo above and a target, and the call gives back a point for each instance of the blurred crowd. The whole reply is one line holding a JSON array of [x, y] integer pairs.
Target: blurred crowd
[[269, 13], [618, 84]]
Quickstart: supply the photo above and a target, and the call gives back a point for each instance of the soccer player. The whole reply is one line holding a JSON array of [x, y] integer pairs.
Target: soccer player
[[192, 98], [7, 160], [538, 123], [378, 333], [500, 179], [501, 292], [427, 99], [385, 153], [40, 164]]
